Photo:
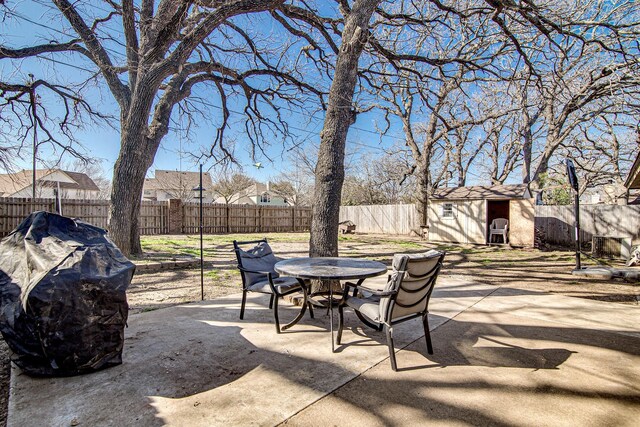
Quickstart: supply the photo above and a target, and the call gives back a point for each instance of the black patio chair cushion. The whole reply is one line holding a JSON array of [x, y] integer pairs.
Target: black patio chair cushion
[[282, 285], [259, 258]]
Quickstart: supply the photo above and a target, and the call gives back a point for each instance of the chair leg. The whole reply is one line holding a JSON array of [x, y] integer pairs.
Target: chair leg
[[271, 302], [340, 323], [275, 314], [244, 300], [392, 354], [310, 305], [427, 334]]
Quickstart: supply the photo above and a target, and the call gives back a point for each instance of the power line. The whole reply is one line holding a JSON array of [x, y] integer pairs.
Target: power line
[[39, 24], [315, 133], [20, 16], [305, 130], [65, 64]]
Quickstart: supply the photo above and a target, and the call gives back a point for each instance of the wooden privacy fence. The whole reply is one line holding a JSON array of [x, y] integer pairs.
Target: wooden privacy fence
[[154, 218], [13, 210], [220, 218], [385, 219], [555, 224], [167, 217]]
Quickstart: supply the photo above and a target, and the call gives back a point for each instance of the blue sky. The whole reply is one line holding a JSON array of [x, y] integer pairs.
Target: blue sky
[[29, 23]]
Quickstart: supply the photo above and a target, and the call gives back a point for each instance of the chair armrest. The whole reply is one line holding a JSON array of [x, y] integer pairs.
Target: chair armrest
[[370, 290], [246, 270], [377, 292]]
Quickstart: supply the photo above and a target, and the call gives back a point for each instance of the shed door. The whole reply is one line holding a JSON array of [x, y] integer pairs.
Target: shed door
[[521, 225], [497, 209], [472, 218]]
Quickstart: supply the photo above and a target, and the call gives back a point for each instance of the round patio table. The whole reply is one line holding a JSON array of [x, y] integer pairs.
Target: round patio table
[[330, 268]]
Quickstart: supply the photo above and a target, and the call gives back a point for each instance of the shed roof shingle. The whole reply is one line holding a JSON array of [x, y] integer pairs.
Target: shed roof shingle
[[512, 191]]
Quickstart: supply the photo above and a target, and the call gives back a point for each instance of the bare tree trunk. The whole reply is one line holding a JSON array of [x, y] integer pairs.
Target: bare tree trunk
[[527, 145], [128, 179], [552, 143], [340, 115], [423, 184], [137, 152]]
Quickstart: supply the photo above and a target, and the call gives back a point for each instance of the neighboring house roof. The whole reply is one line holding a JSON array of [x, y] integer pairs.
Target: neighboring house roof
[[13, 182], [246, 196], [175, 180], [495, 192], [633, 180], [82, 182], [255, 189]]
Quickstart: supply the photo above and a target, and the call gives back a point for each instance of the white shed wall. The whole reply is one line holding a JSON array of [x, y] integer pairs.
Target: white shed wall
[[468, 224]]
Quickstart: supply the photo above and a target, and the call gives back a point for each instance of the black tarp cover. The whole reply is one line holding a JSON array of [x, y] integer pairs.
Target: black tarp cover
[[63, 305]]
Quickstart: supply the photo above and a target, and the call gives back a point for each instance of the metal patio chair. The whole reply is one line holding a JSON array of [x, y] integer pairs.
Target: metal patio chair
[[405, 296], [256, 263], [499, 227]]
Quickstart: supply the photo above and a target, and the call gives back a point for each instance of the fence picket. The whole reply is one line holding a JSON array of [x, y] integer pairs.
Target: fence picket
[[554, 223], [154, 216]]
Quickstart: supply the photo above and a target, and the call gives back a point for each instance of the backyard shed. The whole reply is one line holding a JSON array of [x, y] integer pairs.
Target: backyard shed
[[464, 214]]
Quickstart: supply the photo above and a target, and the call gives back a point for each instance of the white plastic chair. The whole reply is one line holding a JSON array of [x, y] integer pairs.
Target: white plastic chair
[[499, 227]]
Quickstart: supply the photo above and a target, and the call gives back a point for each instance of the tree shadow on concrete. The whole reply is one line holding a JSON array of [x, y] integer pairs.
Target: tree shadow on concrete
[[419, 389], [495, 345]]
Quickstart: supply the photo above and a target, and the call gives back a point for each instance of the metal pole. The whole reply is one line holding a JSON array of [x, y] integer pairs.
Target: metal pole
[[201, 255], [58, 199], [577, 229], [573, 181], [32, 99]]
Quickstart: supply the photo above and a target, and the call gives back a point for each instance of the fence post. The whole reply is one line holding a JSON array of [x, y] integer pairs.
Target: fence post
[[293, 218], [256, 219], [175, 216]]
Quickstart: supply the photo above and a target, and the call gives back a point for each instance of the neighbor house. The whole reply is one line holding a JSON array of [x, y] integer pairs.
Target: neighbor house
[[633, 180], [256, 194], [167, 185], [69, 185], [464, 214], [607, 194]]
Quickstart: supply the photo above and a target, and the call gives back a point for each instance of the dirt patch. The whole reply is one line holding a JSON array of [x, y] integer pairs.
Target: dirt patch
[[548, 271]]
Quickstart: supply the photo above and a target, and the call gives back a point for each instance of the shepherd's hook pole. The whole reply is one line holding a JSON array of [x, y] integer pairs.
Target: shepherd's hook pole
[[201, 255], [577, 228]]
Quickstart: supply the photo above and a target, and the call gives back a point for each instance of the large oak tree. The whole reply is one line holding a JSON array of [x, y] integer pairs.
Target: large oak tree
[[170, 48], [173, 47]]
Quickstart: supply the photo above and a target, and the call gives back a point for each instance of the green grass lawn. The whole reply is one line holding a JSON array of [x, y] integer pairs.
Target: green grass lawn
[[189, 244], [219, 246]]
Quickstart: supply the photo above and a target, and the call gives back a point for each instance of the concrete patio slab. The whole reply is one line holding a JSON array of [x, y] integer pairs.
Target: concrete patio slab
[[497, 369], [502, 357], [579, 312], [199, 364]]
